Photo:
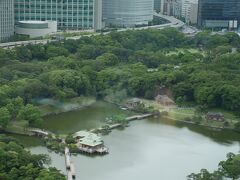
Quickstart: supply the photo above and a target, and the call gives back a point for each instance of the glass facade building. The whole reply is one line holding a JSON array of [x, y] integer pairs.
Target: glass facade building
[[219, 13], [157, 5], [127, 13], [69, 14], [6, 19]]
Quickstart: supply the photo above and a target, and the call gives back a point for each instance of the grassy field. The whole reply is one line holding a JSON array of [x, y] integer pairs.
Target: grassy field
[[17, 127], [188, 114], [181, 114], [180, 50]]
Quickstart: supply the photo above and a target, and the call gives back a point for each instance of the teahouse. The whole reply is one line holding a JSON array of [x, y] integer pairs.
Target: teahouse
[[215, 116], [164, 100], [89, 142], [133, 103]]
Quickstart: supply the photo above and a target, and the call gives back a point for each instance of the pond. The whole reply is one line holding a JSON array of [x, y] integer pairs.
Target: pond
[[148, 149], [89, 117]]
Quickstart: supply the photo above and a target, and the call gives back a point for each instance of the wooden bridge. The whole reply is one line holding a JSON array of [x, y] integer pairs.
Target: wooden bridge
[[136, 117], [116, 125], [39, 132], [71, 174]]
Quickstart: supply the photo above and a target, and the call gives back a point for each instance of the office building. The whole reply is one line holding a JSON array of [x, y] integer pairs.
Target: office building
[[69, 14], [157, 5], [167, 7], [177, 8], [189, 11], [219, 13], [127, 13], [98, 23], [192, 14], [6, 19]]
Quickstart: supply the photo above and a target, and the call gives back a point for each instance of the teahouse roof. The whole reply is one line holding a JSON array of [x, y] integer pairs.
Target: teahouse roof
[[135, 100], [81, 134], [164, 98], [91, 140], [214, 114], [88, 138]]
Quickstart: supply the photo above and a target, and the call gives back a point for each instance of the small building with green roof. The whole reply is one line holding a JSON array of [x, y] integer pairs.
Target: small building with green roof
[[90, 142]]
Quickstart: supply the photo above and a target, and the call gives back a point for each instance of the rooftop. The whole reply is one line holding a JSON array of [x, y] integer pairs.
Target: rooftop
[[81, 134], [163, 98], [135, 100], [91, 141], [88, 138], [33, 22]]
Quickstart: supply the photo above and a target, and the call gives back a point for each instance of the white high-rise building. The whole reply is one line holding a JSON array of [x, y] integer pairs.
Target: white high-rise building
[[177, 8], [127, 13], [189, 10], [98, 24], [167, 7], [6, 19], [193, 13]]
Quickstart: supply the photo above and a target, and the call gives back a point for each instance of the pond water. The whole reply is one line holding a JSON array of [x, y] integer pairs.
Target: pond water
[[89, 117], [149, 149]]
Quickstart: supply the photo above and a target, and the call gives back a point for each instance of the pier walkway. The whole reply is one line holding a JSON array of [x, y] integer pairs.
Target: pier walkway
[[117, 125], [71, 174]]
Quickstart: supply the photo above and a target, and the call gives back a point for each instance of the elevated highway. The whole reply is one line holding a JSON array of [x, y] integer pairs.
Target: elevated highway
[[173, 22]]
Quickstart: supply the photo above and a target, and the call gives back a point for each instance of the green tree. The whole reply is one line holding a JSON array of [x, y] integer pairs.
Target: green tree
[[4, 56], [18, 163], [53, 51], [38, 51], [14, 106], [89, 52], [108, 59], [23, 53], [206, 175], [231, 167], [31, 114], [227, 169], [4, 117], [237, 126]]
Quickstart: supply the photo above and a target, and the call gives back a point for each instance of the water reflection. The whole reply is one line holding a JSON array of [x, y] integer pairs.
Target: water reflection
[[219, 136], [148, 149]]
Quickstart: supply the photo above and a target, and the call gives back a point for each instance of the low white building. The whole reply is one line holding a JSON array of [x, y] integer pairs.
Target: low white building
[[36, 28]]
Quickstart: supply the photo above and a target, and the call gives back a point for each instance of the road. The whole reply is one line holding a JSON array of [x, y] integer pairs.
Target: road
[[173, 22]]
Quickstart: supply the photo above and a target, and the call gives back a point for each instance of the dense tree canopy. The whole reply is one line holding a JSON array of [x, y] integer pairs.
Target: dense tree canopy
[[17, 163], [204, 69], [229, 169]]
